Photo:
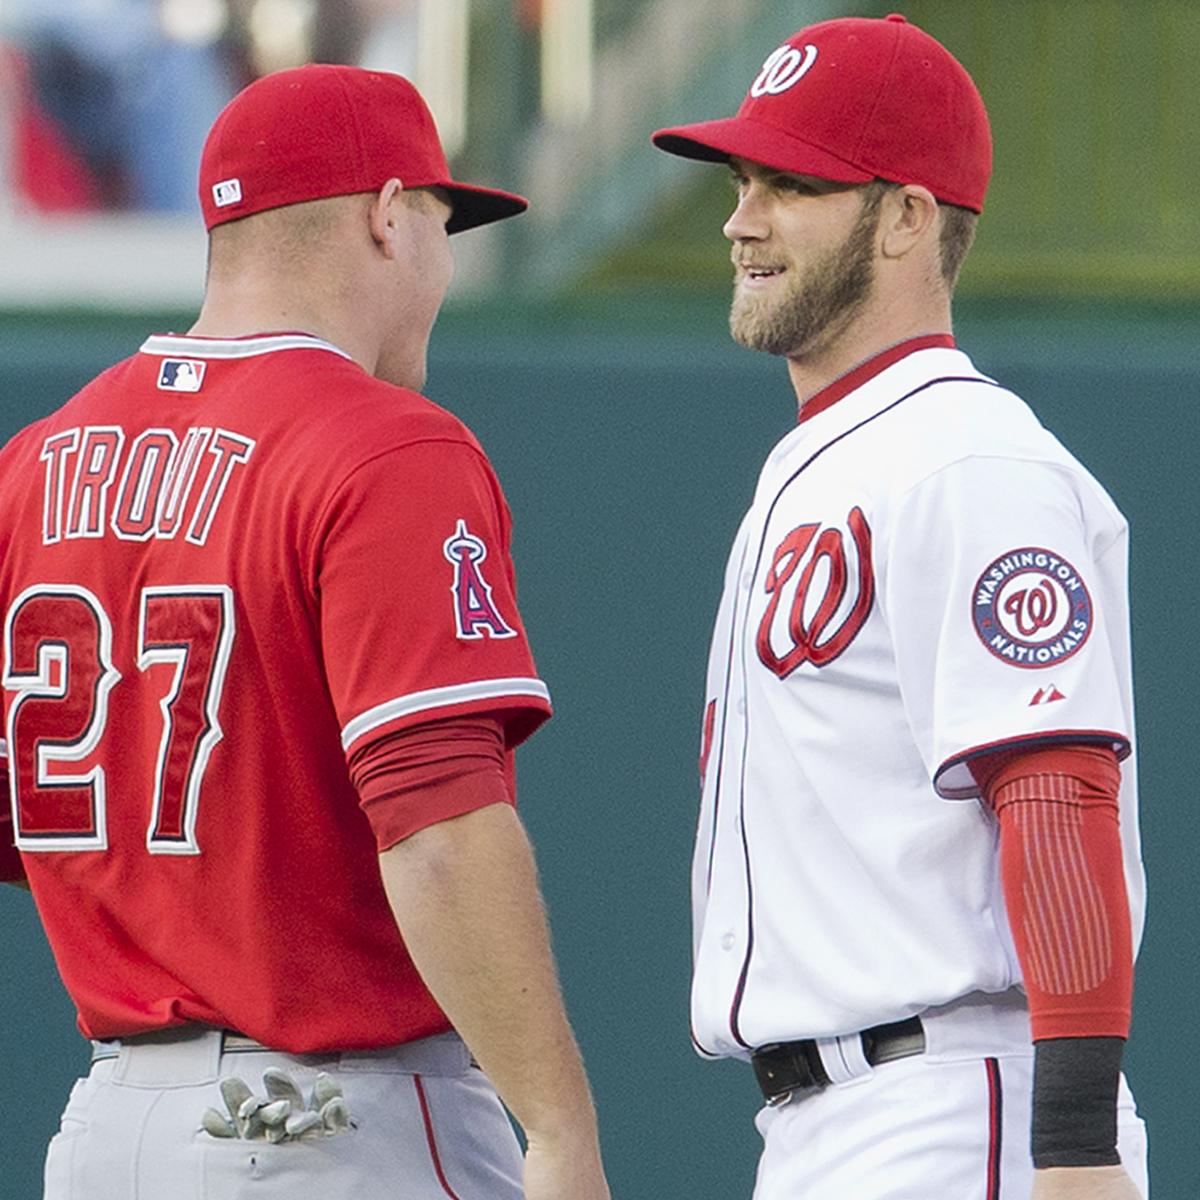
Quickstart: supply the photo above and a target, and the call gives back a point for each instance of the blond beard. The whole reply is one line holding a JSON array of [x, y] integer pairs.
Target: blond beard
[[814, 306]]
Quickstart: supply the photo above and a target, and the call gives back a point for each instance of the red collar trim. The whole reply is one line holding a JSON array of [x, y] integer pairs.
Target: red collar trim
[[857, 376]]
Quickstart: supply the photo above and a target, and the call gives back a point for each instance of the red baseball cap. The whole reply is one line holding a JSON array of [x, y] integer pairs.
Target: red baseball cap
[[326, 130], [853, 100]]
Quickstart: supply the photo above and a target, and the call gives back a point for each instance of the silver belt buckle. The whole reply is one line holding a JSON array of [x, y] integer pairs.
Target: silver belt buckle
[[781, 1098]]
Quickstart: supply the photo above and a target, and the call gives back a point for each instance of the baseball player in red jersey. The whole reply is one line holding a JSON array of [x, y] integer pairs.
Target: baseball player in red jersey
[[263, 677], [917, 884]]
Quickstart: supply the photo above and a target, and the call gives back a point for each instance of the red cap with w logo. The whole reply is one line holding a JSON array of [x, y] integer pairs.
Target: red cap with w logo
[[854, 100]]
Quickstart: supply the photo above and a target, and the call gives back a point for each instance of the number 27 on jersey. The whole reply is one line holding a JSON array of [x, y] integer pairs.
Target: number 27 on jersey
[[58, 669]]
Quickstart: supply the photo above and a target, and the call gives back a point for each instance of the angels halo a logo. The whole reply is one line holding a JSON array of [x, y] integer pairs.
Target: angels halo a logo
[[785, 67], [1031, 608], [475, 613]]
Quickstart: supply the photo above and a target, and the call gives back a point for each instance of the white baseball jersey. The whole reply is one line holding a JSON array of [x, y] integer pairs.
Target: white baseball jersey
[[925, 574]]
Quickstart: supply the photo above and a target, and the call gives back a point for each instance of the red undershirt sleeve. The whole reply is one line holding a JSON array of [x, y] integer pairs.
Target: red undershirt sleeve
[[1064, 885], [422, 774]]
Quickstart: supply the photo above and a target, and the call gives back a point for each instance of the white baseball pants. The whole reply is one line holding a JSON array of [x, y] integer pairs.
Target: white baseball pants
[[949, 1124], [427, 1126]]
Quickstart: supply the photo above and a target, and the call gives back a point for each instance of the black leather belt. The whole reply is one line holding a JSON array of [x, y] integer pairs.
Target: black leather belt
[[785, 1068]]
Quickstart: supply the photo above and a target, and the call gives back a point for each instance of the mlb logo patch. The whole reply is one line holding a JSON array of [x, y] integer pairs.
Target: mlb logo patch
[[181, 374], [227, 192]]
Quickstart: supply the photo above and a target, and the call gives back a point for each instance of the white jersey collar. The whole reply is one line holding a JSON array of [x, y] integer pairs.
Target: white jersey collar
[[192, 346]]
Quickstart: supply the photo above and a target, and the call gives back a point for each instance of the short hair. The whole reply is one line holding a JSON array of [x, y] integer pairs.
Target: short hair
[[957, 234], [289, 235]]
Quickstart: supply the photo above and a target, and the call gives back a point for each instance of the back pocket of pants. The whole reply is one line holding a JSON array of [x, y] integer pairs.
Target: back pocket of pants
[[59, 1176]]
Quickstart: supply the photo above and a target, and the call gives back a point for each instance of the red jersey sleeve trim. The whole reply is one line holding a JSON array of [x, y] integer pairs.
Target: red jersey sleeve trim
[[953, 779], [492, 691]]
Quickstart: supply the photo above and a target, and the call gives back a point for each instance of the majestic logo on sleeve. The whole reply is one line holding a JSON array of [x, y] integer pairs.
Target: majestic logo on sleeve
[[812, 616], [474, 613], [1031, 608]]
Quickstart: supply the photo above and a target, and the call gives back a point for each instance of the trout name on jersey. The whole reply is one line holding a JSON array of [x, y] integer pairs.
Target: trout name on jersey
[[98, 482]]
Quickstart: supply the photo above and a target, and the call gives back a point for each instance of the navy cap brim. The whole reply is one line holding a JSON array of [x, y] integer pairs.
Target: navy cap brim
[[474, 206]]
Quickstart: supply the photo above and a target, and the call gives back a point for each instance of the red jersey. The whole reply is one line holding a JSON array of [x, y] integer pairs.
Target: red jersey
[[225, 567]]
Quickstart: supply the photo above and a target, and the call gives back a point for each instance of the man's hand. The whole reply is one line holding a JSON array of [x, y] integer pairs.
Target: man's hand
[[1084, 1183], [564, 1169]]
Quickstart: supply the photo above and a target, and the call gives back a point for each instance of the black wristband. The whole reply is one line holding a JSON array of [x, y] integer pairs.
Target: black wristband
[[1075, 1101]]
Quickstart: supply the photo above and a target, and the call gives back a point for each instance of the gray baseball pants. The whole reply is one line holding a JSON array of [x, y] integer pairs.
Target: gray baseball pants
[[427, 1125]]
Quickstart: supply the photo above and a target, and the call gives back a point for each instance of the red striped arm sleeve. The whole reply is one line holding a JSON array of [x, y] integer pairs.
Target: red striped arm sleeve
[[1064, 884]]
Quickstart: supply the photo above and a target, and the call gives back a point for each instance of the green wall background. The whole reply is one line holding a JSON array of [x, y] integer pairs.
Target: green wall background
[[628, 432]]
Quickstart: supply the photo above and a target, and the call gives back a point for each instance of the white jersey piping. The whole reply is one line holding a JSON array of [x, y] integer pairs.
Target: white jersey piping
[[748, 957], [443, 697]]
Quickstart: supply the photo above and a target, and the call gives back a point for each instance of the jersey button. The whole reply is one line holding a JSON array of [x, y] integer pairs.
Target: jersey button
[[727, 942], [741, 706], [747, 580]]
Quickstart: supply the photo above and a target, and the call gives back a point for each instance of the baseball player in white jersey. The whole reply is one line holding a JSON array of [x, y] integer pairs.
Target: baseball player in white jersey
[[917, 883]]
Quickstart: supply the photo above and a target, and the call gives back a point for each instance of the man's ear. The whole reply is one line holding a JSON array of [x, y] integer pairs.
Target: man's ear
[[909, 214], [383, 216]]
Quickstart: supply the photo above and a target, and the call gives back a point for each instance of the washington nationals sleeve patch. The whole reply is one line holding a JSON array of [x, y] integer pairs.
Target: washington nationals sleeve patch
[[475, 614], [1031, 608]]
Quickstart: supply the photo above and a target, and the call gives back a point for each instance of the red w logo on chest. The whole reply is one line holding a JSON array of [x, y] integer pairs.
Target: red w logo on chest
[[807, 559]]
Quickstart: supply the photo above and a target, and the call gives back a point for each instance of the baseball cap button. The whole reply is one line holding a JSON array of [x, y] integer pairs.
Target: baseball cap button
[[897, 17]]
